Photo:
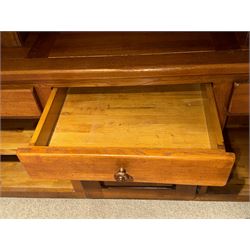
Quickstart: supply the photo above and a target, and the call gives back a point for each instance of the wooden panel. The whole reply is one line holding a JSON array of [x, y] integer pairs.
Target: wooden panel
[[12, 139], [237, 122], [84, 44], [42, 45], [240, 99], [43, 94], [148, 117], [243, 39], [15, 179], [141, 66], [19, 103], [10, 39], [224, 40], [204, 167], [222, 92]]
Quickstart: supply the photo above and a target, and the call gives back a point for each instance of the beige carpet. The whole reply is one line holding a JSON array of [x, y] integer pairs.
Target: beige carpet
[[87, 208]]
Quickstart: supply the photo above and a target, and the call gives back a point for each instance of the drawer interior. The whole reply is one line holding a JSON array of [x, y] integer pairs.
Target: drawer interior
[[178, 116], [159, 134]]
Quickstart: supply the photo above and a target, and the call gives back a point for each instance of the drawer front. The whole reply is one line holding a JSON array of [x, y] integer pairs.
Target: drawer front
[[130, 135], [161, 166], [19, 103], [239, 103]]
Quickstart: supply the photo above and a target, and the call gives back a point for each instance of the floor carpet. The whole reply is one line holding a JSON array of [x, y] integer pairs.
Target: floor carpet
[[87, 208]]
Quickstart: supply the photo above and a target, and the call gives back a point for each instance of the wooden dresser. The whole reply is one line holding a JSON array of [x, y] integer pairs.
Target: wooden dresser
[[145, 115]]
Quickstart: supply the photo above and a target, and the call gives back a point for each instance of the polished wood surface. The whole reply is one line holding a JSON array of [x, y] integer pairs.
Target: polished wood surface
[[222, 92], [82, 59], [10, 39], [19, 103], [49, 117], [239, 103], [238, 186], [43, 94], [13, 139], [155, 117], [140, 66], [89, 44], [165, 166], [158, 151], [14, 177]]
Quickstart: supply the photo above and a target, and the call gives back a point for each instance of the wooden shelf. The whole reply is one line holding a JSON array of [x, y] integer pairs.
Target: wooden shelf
[[13, 139], [14, 178]]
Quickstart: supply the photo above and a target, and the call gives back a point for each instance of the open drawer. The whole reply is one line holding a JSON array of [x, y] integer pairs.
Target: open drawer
[[158, 134]]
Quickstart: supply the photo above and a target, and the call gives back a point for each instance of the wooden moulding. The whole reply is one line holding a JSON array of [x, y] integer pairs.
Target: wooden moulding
[[186, 64], [205, 167]]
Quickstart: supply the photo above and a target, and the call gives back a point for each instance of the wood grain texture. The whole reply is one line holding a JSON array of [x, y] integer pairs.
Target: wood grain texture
[[10, 39], [12, 139], [77, 157], [140, 66], [238, 186], [149, 117], [166, 166], [212, 118], [42, 45], [19, 103], [90, 44], [222, 91], [14, 178], [47, 122], [239, 104], [43, 94], [239, 142]]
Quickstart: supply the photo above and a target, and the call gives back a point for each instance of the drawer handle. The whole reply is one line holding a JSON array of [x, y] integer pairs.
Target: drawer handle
[[122, 176]]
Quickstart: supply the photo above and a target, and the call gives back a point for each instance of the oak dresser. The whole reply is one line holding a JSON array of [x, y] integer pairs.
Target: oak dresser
[[142, 115]]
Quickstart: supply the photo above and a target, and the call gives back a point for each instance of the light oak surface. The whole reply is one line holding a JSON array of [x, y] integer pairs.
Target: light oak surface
[[13, 139], [162, 146], [14, 178], [165, 117]]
